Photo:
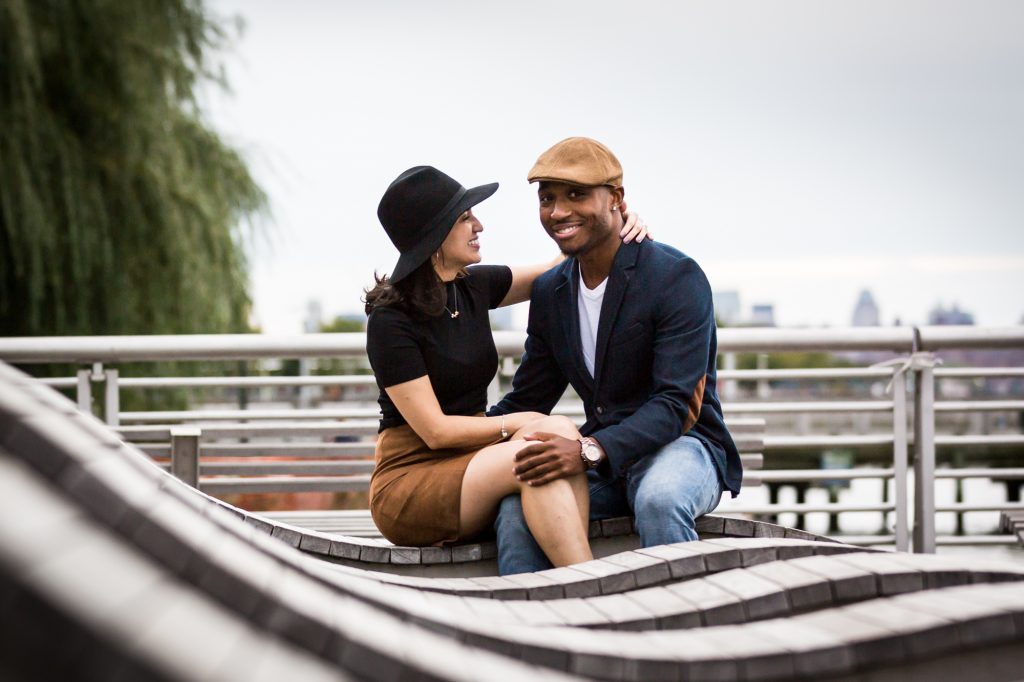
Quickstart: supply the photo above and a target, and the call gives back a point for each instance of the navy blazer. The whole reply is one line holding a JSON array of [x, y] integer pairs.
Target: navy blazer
[[654, 364]]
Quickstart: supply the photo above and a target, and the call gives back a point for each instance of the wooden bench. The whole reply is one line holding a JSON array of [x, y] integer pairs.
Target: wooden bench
[[314, 465]]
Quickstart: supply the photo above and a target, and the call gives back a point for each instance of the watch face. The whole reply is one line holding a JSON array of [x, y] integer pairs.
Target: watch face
[[591, 454]]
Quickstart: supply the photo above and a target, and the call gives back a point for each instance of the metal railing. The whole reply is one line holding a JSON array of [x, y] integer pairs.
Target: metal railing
[[913, 371]]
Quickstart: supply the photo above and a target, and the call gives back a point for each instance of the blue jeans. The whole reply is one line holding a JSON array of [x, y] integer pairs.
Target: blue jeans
[[666, 492]]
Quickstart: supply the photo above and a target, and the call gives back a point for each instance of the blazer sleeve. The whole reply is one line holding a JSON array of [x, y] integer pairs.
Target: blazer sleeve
[[539, 382], [685, 323]]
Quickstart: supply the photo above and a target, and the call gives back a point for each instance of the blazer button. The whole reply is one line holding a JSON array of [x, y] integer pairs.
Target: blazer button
[[600, 409]]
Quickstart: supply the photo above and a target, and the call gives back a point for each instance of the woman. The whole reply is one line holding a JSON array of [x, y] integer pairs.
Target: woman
[[441, 466]]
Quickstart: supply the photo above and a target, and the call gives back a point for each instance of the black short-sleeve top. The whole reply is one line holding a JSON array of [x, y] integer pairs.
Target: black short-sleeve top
[[458, 354]]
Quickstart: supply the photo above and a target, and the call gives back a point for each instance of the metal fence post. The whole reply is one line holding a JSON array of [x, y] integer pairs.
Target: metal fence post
[[84, 392], [185, 454], [112, 399], [924, 454], [899, 460]]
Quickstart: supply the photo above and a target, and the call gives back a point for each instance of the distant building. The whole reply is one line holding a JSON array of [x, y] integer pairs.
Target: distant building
[[943, 315], [865, 313], [727, 306], [763, 315]]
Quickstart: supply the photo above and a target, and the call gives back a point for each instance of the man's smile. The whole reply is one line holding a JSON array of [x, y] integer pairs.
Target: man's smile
[[565, 230]]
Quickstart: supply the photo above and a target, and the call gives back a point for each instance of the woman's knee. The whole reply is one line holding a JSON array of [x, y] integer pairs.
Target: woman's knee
[[556, 423]]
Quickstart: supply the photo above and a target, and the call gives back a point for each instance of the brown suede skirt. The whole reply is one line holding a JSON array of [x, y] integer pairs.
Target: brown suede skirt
[[415, 492]]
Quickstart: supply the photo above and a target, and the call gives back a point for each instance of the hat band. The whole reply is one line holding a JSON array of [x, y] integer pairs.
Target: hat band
[[433, 224]]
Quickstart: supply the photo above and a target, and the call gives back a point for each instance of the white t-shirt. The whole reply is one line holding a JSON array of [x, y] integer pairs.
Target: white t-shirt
[[589, 303]]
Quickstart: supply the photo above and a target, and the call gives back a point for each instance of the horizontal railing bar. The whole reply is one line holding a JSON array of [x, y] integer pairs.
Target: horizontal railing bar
[[802, 374], [88, 349], [256, 430], [234, 415], [841, 507], [295, 450], [977, 372], [280, 468], [996, 440], [816, 407], [947, 540], [981, 472], [247, 382], [274, 484], [818, 442], [946, 337], [979, 405], [804, 508], [780, 475]]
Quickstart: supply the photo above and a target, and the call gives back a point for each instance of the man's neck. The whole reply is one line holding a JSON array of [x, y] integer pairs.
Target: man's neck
[[596, 263]]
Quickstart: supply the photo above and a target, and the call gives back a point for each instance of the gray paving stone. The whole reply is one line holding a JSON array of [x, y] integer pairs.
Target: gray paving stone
[[622, 525], [937, 571], [756, 658], [218, 570], [303, 610], [161, 533], [611, 578], [534, 613], [848, 582], [492, 611], [769, 530], [646, 569], [682, 562], [464, 553], [893, 577], [710, 524], [670, 611], [761, 598], [405, 555], [501, 588], [24, 439], [715, 605], [921, 633], [577, 612], [461, 586], [716, 557], [377, 553], [289, 536], [436, 555], [538, 587], [594, 530], [804, 590], [977, 622], [316, 543], [789, 548], [260, 524], [345, 549], [817, 653], [872, 644], [739, 527], [753, 551], [101, 502], [623, 613], [700, 656], [488, 550]]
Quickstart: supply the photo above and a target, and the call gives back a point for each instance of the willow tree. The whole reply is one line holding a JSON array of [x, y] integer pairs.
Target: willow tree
[[121, 210]]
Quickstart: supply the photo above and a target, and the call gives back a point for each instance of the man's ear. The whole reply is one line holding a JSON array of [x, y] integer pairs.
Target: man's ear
[[618, 194]]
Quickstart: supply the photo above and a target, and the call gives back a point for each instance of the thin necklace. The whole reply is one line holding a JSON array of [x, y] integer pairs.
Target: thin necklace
[[455, 296]]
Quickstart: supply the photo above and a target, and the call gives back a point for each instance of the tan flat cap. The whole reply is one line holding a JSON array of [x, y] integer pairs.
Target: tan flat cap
[[578, 161]]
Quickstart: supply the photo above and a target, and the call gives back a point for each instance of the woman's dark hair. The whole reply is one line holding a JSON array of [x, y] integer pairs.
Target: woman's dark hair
[[420, 294]]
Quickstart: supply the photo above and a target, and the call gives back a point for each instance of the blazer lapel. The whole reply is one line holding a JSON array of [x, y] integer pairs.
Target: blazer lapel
[[566, 294], [618, 283]]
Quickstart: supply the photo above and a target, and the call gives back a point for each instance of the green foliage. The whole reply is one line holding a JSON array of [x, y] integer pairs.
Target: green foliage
[[120, 210]]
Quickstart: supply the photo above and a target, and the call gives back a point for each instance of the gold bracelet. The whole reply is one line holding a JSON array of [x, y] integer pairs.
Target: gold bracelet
[[504, 433]]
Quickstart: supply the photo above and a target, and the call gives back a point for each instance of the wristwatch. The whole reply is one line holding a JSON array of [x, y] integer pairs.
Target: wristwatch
[[590, 452]]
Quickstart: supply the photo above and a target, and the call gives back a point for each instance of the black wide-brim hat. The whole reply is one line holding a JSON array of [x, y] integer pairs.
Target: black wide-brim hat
[[418, 211]]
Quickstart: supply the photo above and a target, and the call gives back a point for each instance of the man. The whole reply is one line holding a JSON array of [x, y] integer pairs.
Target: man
[[631, 327]]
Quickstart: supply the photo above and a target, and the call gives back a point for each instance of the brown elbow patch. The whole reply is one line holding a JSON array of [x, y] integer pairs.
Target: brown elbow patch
[[694, 404]]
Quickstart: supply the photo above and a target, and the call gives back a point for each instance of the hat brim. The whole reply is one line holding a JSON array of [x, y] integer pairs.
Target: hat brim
[[418, 255]]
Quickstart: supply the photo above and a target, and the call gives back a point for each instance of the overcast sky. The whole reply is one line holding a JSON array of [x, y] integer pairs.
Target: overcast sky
[[800, 151]]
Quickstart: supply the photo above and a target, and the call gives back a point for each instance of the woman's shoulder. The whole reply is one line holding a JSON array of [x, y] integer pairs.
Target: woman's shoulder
[[387, 317]]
